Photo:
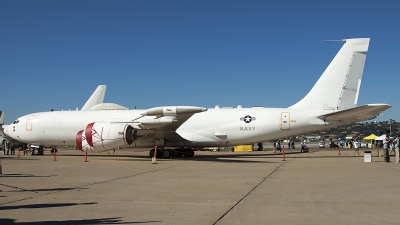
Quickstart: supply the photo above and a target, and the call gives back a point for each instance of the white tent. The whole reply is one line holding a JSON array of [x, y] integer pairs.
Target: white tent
[[380, 138]]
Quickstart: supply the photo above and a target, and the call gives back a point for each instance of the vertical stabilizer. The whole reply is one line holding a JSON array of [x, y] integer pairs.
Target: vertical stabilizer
[[1, 118], [96, 98], [339, 85]]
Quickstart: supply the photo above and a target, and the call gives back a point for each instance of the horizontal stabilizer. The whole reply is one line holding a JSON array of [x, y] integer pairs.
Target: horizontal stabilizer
[[359, 113]]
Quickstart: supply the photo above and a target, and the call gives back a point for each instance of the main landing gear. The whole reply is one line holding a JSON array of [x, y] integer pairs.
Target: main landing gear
[[176, 152]]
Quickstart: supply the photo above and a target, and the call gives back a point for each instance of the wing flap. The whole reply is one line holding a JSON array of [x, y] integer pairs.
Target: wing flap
[[190, 136], [359, 113]]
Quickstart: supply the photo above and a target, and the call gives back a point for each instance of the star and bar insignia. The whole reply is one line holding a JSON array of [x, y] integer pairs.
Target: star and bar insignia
[[247, 119]]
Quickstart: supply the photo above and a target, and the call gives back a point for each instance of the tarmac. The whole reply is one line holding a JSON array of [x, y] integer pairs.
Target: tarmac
[[260, 187]]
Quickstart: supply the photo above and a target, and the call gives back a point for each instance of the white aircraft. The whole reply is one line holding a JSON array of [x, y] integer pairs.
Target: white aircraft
[[332, 102]]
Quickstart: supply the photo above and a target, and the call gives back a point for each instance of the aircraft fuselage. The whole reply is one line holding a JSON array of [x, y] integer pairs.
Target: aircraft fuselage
[[215, 127]]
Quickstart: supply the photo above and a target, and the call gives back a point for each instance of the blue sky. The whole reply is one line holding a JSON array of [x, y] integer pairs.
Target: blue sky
[[53, 54]]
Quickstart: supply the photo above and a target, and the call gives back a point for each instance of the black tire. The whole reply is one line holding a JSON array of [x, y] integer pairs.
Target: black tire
[[186, 152], [166, 154], [191, 153], [176, 153]]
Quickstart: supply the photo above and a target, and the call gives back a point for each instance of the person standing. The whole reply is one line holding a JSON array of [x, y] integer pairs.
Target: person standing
[[396, 147], [6, 146], [356, 147], [3, 146], [12, 148], [391, 147], [386, 143]]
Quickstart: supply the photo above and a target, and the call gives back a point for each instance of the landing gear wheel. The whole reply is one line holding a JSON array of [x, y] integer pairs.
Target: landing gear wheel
[[186, 152], [191, 153], [175, 152], [166, 154]]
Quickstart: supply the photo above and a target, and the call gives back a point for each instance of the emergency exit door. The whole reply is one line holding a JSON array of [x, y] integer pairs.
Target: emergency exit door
[[285, 121], [29, 123]]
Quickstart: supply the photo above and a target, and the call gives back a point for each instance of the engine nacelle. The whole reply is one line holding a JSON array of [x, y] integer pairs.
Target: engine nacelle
[[81, 142], [107, 136]]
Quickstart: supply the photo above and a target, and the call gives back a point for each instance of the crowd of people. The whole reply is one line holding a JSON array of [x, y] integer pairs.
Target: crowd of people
[[391, 147], [9, 147]]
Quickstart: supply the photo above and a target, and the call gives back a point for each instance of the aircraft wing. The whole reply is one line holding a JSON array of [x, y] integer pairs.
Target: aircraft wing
[[166, 118], [359, 113]]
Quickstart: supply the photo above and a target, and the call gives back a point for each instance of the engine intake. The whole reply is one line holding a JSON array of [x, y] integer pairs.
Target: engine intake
[[81, 142], [106, 136]]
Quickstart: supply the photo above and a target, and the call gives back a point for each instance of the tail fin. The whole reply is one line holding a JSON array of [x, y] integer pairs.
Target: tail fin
[[339, 85], [1, 118], [96, 98]]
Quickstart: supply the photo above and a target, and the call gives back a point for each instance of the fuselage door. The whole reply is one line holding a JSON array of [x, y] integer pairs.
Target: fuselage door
[[285, 121], [29, 122]]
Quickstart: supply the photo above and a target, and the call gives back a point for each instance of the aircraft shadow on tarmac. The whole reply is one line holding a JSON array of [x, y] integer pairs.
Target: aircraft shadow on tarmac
[[46, 189], [116, 220], [24, 175], [203, 158], [217, 157], [232, 158], [13, 157], [41, 206]]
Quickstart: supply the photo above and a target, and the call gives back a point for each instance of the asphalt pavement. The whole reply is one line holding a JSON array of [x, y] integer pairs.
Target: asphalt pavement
[[260, 187]]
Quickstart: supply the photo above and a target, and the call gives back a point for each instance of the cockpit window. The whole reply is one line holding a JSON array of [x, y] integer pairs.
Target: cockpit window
[[16, 121]]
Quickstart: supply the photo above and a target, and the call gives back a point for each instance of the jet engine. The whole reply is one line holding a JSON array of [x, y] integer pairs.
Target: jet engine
[[81, 142], [105, 136]]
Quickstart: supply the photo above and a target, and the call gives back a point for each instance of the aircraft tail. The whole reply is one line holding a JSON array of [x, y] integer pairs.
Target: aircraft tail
[[339, 85], [96, 98], [1, 118]]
